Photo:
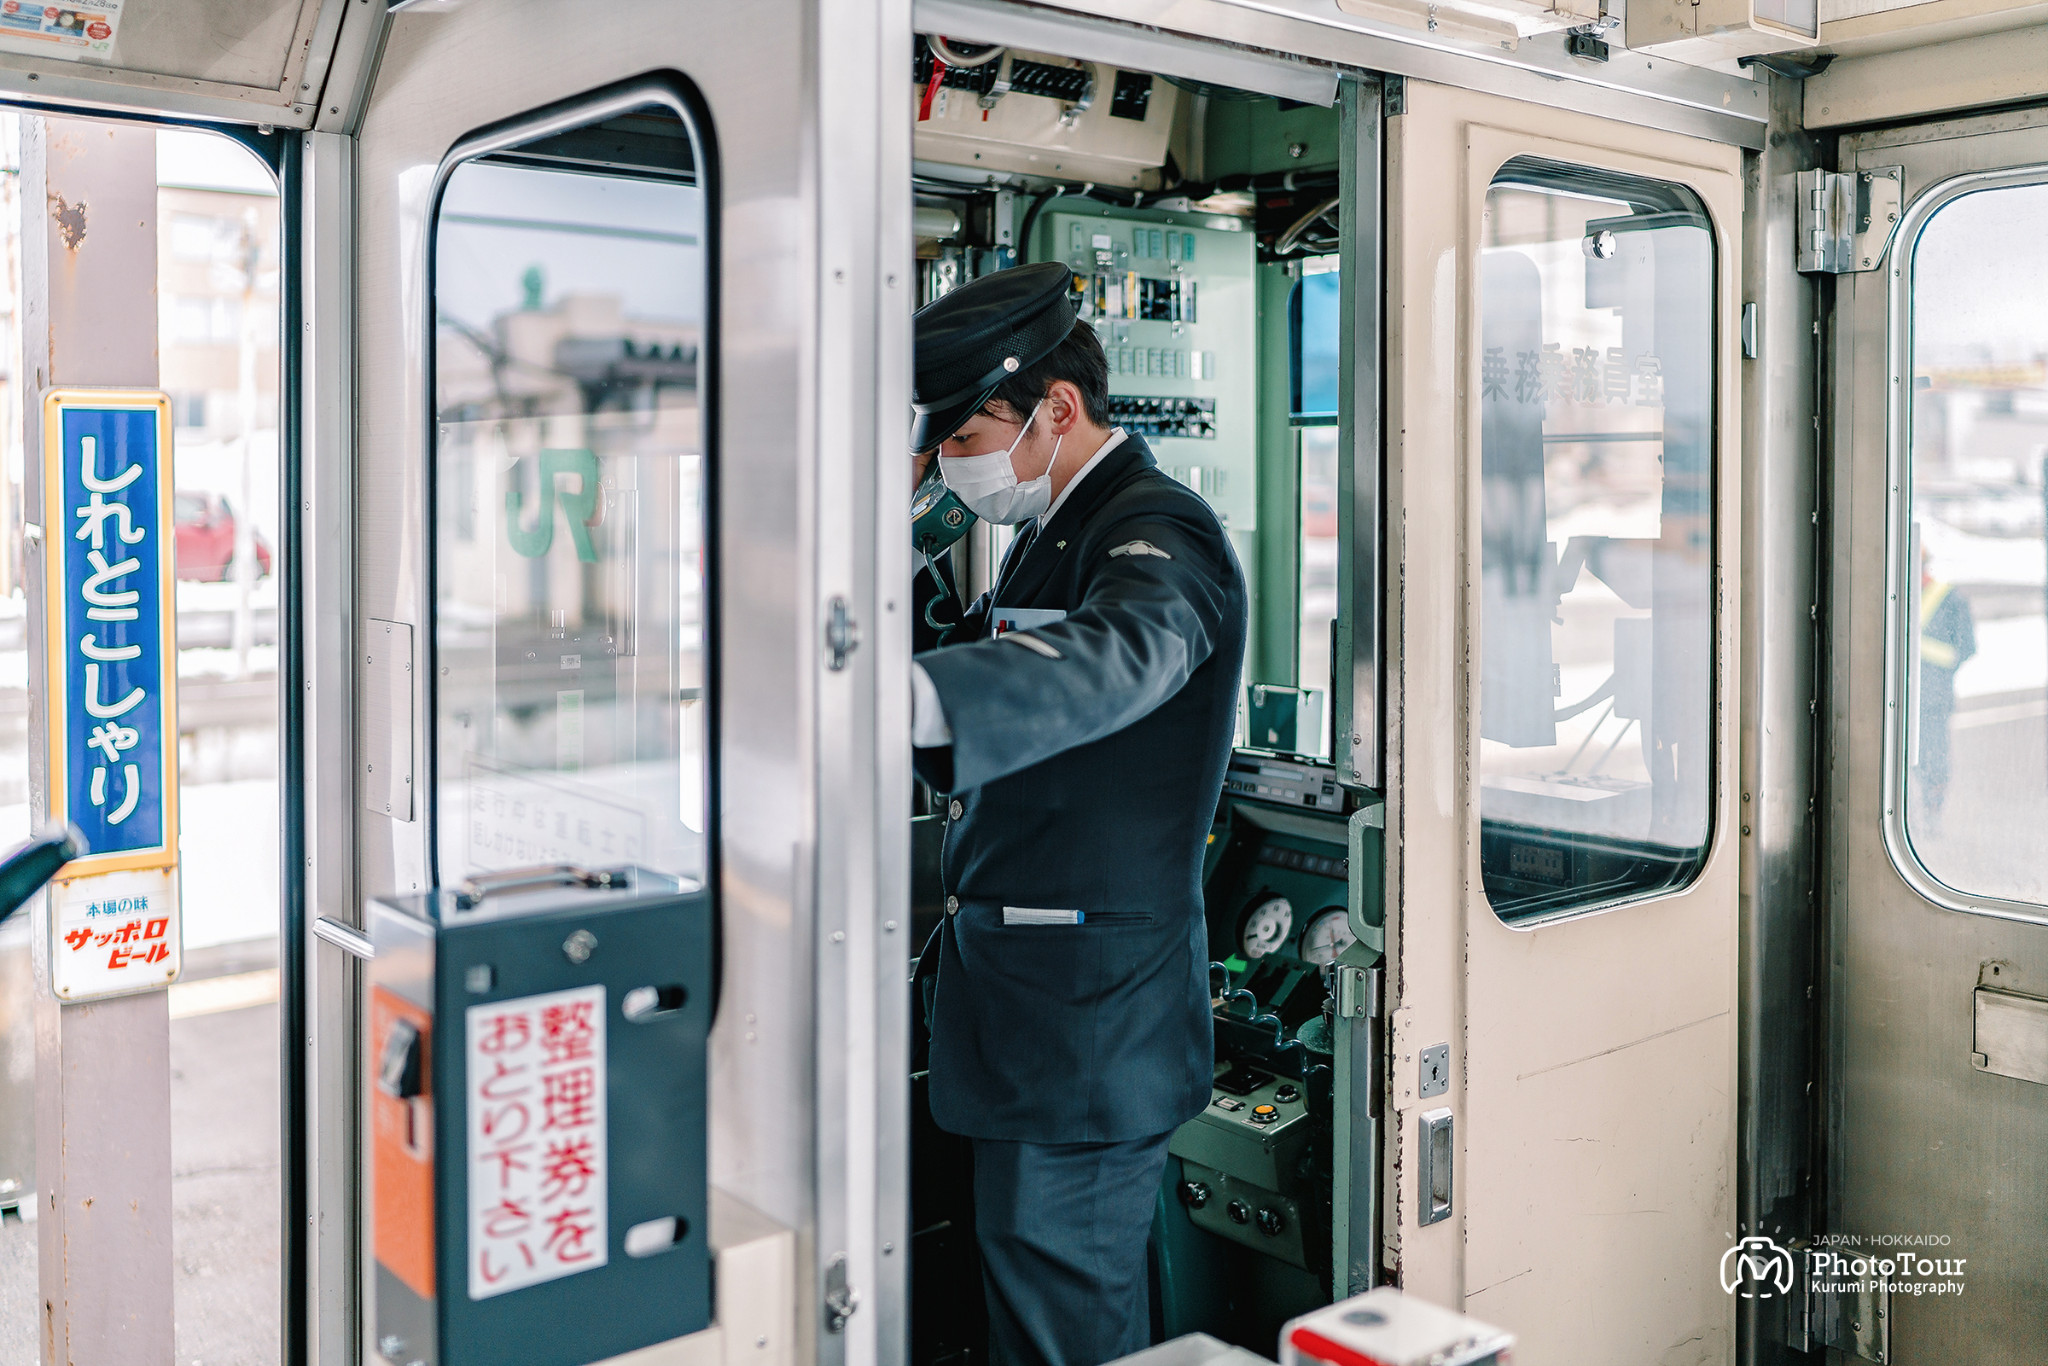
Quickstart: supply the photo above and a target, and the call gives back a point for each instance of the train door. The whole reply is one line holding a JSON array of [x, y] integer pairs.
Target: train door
[[1561, 861], [623, 331], [1938, 907]]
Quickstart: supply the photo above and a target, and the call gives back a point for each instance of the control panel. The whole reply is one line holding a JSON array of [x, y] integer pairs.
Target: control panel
[[1171, 296], [1192, 419], [1290, 782], [1244, 1162]]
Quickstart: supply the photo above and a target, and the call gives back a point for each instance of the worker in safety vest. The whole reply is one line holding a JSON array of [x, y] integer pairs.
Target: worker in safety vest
[[1080, 718], [1948, 636]]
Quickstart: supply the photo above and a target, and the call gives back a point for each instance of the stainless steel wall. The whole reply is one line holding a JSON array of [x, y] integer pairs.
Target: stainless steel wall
[[1780, 1041], [811, 346]]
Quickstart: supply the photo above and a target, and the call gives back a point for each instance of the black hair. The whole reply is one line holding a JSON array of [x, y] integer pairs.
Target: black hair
[[1078, 360]]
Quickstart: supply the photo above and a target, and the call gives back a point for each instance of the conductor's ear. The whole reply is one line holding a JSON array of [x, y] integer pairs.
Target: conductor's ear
[[1063, 406]]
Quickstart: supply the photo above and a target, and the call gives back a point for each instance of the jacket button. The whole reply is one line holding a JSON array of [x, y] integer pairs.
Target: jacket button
[[952, 905], [954, 810]]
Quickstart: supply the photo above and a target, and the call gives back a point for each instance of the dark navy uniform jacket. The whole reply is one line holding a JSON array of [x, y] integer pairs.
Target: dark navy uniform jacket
[[1086, 765]]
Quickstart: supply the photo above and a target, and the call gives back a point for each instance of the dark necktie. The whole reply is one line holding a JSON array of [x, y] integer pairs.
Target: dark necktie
[[1015, 559]]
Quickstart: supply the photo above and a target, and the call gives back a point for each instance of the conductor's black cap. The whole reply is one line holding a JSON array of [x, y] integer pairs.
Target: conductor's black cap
[[971, 340]]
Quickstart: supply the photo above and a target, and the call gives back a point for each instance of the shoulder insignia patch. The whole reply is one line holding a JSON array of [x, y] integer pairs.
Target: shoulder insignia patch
[[1139, 548], [1031, 642]]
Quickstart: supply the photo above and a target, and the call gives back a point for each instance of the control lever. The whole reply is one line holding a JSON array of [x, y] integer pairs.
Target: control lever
[[400, 1072], [35, 863]]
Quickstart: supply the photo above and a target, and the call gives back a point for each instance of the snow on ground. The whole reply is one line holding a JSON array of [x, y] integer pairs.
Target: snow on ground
[[206, 661], [227, 854]]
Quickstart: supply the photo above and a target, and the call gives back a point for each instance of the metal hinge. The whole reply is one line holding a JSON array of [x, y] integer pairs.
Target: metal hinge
[[1358, 992], [842, 634], [1829, 1306], [841, 1299], [1847, 218]]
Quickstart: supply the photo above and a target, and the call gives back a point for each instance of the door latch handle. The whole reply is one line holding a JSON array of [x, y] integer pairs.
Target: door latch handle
[[841, 1299], [842, 634], [1433, 1170]]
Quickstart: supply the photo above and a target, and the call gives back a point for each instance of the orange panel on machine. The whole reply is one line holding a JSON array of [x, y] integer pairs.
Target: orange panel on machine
[[402, 1148]]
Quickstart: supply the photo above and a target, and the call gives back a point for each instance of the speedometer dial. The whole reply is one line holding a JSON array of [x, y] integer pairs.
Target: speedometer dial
[[1266, 927], [1327, 935]]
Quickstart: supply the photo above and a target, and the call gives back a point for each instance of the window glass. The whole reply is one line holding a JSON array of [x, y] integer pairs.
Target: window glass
[[1597, 539], [1318, 589], [1977, 634], [569, 505]]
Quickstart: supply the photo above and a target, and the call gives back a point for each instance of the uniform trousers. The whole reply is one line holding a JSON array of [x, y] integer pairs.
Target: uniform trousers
[[1063, 1229]]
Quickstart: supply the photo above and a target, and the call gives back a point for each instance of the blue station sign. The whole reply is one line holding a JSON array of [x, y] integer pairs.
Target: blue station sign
[[111, 625]]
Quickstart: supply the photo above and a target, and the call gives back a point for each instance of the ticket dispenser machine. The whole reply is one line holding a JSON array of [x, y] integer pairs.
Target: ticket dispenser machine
[[537, 1102]]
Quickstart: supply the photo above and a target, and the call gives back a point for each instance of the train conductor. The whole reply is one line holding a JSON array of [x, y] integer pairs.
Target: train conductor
[[1080, 721]]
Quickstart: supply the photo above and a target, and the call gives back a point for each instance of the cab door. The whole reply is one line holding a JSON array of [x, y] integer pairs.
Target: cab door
[[630, 328], [1937, 904], [1561, 852]]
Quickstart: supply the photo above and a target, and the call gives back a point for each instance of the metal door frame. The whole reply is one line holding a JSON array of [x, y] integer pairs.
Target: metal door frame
[[301, 557], [1779, 1147]]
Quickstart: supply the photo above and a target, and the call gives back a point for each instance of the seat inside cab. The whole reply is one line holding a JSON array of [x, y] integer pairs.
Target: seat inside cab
[[1203, 227]]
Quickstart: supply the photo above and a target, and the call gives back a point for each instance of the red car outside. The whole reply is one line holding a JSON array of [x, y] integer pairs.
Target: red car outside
[[205, 537]]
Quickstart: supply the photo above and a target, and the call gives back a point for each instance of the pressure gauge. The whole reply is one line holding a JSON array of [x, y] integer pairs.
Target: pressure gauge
[[1266, 927], [1327, 935]]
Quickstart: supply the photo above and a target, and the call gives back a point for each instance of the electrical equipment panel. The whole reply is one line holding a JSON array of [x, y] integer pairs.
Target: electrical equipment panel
[[1171, 296], [1043, 115], [1705, 32], [1290, 782], [1242, 1165]]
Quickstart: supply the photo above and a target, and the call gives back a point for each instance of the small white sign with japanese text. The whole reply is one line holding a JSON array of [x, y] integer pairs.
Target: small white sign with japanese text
[[113, 933], [537, 1179]]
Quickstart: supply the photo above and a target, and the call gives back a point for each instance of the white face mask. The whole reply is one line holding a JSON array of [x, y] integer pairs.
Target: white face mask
[[988, 484]]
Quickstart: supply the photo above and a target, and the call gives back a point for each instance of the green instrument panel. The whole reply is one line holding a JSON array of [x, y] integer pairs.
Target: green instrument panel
[[1171, 297]]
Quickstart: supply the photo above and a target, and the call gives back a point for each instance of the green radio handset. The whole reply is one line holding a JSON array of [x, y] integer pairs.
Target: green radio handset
[[937, 519], [937, 516]]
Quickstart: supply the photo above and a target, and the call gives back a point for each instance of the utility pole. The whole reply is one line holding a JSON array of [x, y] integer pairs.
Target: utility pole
[[103, 1068], [248, 256]]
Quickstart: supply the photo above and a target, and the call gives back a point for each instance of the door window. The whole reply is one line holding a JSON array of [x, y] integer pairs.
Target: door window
[[1596, 379], [1973, 618], [570, 353]]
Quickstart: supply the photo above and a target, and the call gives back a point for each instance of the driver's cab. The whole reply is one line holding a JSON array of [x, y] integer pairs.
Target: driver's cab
[[1206, 226]]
